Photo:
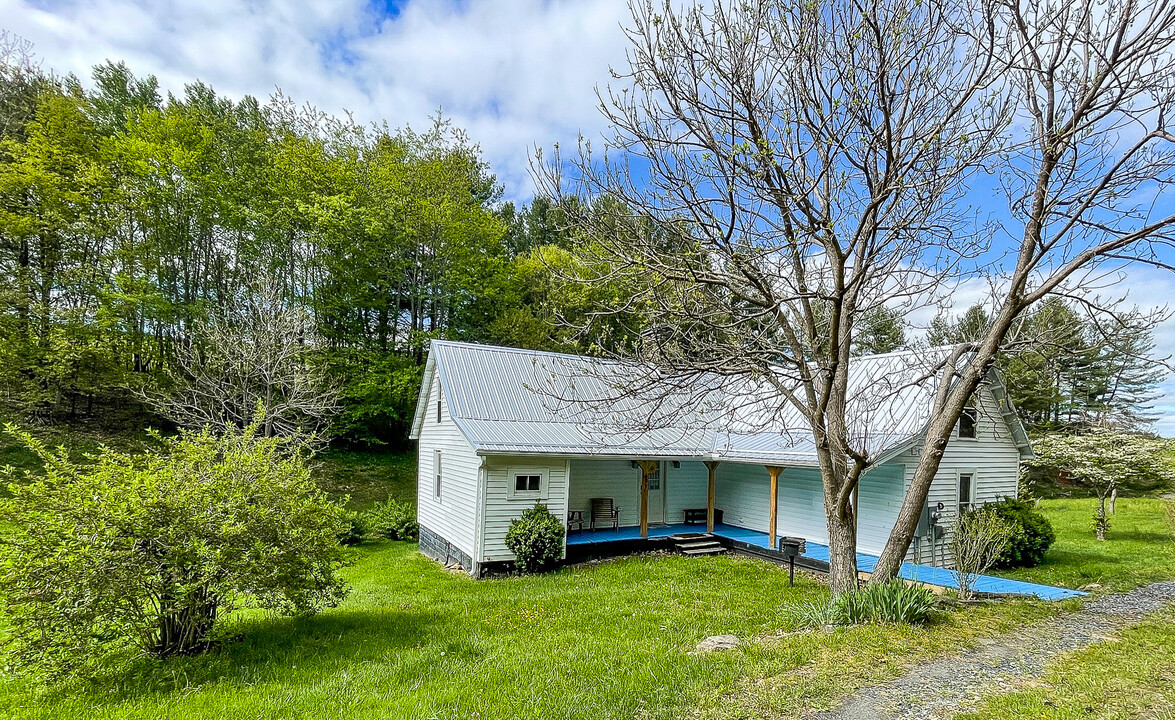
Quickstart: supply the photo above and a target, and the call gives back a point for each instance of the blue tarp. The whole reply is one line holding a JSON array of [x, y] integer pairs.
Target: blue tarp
[[865, 562]]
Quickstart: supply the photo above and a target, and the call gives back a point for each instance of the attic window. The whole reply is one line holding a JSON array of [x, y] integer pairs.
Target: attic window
[[968, 422], [438, 403]]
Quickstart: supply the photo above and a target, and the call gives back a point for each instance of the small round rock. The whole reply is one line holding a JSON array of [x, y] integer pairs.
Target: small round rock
[[718, 642]]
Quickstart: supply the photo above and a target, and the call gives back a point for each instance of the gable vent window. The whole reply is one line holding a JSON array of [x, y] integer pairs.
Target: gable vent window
[[438, 404], [969, 423]]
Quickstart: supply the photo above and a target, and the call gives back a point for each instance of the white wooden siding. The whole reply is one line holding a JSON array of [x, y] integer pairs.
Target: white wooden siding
[[991, 456], [612, 478], [744, 494], [686, 488], [454, 516], [500, 509], [881, 493]]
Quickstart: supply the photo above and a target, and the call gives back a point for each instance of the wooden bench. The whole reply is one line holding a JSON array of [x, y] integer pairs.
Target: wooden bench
[[698, 515]]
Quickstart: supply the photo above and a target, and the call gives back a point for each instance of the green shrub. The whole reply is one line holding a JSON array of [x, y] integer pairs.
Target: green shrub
[[1032, 533], [888, 602], [393, 520], [536, 539], [147, 553], [356, 529]]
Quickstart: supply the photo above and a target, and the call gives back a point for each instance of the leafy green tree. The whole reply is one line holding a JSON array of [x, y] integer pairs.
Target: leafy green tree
[[1102, 461], [150, 551], [1068, 370], [881, 330]]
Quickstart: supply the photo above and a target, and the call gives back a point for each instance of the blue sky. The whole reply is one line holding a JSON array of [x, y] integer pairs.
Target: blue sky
[[515, 74]]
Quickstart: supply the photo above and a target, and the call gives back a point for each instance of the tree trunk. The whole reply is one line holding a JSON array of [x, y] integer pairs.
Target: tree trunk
[[185, 629], [842, 554], [1100, 525], [1113, 501]]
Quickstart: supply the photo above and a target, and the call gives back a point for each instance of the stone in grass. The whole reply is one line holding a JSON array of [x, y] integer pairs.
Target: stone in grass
[[718, 642]]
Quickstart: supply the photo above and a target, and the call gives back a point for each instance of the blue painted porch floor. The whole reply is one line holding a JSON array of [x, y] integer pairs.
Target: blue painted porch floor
[[865, 562]]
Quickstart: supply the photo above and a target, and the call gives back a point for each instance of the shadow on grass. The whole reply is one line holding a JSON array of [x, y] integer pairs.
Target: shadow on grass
[[265, 648], [1138, 536]]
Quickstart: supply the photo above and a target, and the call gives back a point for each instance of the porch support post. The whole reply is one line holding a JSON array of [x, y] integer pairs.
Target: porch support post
[[648, 467], [711, 468], [774, 473]]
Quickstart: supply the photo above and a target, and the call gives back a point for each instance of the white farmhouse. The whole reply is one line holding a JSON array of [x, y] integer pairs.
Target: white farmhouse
[[501, 429]]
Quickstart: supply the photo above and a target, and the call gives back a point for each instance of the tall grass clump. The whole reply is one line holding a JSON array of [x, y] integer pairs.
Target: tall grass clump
[[881, 603]]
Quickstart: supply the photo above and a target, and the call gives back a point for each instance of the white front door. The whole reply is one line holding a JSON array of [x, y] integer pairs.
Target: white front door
[[657, 495]]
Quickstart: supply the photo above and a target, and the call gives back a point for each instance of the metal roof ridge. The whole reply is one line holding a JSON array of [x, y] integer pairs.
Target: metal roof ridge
[[524, 351]]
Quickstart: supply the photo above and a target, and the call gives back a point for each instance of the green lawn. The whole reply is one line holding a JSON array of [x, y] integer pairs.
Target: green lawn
[[606, 640], [1130, 676], [1139, 548], [366, 477]]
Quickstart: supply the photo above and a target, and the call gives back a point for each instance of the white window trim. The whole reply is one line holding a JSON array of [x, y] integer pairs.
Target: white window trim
[[437, 475], [970, 502], [544, 474]]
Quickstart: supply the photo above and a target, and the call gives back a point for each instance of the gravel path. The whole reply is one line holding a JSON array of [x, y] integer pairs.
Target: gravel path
[[943, 687]]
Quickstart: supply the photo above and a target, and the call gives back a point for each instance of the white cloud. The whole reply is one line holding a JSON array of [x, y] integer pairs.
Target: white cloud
[[513, 73]]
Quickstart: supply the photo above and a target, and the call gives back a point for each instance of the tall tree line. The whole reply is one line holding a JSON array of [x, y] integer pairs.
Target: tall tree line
[[1068, 370], [126, 217]]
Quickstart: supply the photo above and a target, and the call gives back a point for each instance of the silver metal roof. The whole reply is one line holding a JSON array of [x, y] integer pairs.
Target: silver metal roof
[[510, 401]]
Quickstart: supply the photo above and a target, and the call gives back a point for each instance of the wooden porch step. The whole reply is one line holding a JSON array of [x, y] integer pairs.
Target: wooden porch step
[[698, 544], [690, 537], [710, 549]]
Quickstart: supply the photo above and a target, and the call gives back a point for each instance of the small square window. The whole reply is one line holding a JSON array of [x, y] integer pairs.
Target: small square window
[[528, 483], [969, 422]]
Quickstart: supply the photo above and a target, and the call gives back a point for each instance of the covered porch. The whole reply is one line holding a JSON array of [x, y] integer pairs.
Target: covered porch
[[658, 498], [815, 557]]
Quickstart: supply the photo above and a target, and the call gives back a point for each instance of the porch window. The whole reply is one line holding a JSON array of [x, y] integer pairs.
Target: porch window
[[527, 483], [969, 423]]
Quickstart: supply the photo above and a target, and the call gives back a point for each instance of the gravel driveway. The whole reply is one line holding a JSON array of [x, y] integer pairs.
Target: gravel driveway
[[940, 688]]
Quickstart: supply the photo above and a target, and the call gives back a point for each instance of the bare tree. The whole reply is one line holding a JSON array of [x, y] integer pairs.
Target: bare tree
[[251, 356], [978, 539], [806, 164]]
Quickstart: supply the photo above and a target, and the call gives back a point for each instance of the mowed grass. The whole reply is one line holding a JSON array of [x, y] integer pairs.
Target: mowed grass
[[1139, 548], [1129, 676], [605, 640]]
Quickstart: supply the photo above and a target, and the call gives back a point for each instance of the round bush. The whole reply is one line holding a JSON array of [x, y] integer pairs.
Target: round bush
[[392, 520], [355, 530], [1032, 533], [536, 539]]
